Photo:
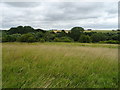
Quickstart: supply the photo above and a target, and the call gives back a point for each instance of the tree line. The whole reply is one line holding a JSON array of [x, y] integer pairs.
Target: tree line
[[76, 34]]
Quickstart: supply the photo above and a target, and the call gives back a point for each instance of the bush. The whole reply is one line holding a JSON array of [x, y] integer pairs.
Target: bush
[[16, 36], [63, 39], [27, 38], [41, 40], [8, 38], [114, 37], [84, 39], [98, 37], [31, 39], [39, 35], [48, 36], [62, 34], [110, 42]]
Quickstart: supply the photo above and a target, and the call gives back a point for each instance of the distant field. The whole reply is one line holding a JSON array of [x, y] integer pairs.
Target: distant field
[[59, 65], [103, 31]]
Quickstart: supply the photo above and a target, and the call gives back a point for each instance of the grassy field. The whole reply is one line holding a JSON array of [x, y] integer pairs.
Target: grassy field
[[59, 65], [103, 31]]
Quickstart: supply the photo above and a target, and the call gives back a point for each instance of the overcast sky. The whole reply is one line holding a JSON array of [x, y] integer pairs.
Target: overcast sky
[[60, 15]]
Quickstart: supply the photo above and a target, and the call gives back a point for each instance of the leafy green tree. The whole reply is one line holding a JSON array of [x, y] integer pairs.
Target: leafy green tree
[[20, 30], [48, 36], [31, 39], [85, 39], [76, 32], [39, 35], [89, 33], [40, 30], [29, 34], [98, 37], [62, 34], [12, 30], [114, 37], [28, 29], [8, 38], [27, 38], [16, 36]]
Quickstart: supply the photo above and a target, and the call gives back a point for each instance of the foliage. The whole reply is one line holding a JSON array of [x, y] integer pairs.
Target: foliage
[[41, 40], [20, 29], [98, 37], [110, 42], [48, 36], [84, 39], [63, 39], [114, 37], [39, 35], [62, 34], [27, 38], [8, 38], [75, 33]]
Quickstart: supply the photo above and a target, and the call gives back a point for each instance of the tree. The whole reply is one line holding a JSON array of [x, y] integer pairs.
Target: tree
[[8, 38], [27, 38], [115, 37], [28, 29], [16, 36], [84, 39], [40, 30], [98, 37], [20, 30], [76, 32], [12, 30], [48, 36], [31, 39], [89, 33], [39, 35], [62, 34]]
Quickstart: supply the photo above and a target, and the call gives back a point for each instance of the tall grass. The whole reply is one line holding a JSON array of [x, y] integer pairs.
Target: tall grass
[[59, 65]]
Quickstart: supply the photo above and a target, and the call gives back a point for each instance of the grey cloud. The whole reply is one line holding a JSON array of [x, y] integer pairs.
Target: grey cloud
[[72, 11], [59, 15], [22, 4]]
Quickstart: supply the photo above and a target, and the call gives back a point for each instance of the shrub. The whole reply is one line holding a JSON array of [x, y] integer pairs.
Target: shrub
[[110, 42], [27, 38], [41, 40], [31, 39], [98, 37], [63, 39], [39, 35], [49, 36], [84, 39], [115, 37], [8, 38]]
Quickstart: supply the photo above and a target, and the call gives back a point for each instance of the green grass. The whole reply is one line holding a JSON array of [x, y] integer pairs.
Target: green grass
[[59, 65], [103, 31]]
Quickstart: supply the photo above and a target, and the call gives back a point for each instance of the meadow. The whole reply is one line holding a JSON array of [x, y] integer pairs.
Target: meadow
[[103, 31], [59, 65]]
